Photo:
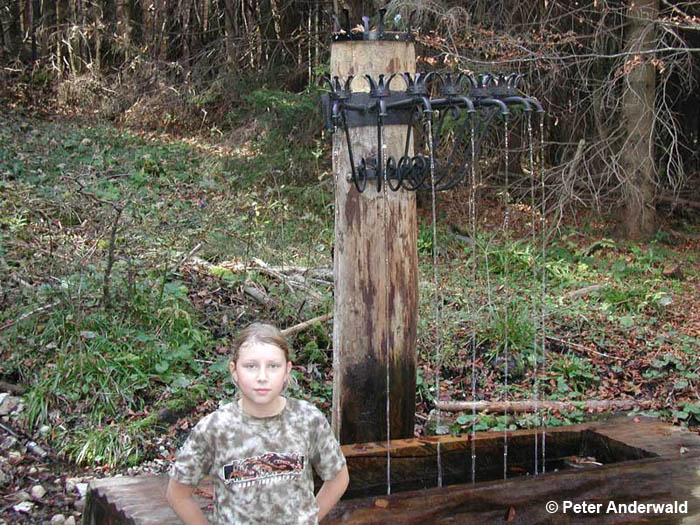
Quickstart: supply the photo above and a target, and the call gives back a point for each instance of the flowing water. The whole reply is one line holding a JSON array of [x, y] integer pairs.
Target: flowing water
[[472, 220], [506, 298]]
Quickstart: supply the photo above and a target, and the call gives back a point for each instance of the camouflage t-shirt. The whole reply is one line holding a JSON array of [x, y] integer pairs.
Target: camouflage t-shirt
[[261, 466]]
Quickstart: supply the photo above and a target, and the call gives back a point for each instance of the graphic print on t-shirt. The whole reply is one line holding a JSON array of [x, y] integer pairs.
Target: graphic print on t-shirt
[[264, 468]]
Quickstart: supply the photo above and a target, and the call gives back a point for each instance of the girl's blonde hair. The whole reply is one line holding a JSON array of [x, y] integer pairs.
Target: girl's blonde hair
[[261, 333]]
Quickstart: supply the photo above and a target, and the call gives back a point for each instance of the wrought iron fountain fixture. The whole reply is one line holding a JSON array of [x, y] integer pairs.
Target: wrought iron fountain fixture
[[465, 107]]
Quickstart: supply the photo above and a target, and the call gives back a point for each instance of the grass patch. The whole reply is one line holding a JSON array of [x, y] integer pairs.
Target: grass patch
[[109, 321]]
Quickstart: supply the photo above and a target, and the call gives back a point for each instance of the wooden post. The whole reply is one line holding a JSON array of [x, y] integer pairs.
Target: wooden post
[[375, 261]]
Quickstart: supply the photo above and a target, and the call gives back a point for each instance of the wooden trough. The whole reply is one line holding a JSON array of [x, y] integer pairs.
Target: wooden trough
[[643, 461]]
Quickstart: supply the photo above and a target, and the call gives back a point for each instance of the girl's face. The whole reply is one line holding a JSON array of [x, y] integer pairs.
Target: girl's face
[[260, 372]]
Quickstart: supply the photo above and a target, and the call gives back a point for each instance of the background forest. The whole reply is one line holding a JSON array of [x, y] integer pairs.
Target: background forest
[[166, 179]]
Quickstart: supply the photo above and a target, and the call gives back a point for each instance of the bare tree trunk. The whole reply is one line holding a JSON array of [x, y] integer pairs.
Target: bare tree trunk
[[36, 21], [135, 16], [257, 36], [358, 8], [173, 46], [156, 28], [60, 33], [186, 34], [639, 214], [48, 27], [2, 38], [27, 18], [15, 29]]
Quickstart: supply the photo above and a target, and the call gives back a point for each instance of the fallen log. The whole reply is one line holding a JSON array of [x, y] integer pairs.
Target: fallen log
[[22, 317], [10, 387], [306, 324], [581, 348], [259, 295], [676, 201], [583, 292], [501, 407]]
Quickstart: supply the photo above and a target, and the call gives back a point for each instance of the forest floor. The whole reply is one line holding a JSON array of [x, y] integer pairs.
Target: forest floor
[[128, 259]]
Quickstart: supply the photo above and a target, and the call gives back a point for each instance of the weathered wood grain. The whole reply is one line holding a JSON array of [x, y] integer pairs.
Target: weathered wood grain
[[375, 269], [657, 462]]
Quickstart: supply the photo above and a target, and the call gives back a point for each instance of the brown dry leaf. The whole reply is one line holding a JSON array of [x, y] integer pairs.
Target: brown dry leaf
[[511, 514], [381, 503]]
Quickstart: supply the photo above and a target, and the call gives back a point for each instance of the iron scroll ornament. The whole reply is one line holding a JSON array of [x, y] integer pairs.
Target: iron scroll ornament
[[470, 102]]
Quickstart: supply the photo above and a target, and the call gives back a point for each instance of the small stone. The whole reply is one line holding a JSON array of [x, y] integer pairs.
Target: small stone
[[9, 404], [673, 271], [70, 520], [85, 142], [82, 489], [25, 507], [14, 457], [8, 442], [58, 519], [38, 492], [23, 496], [44, 429], [71, 483], [32, 471]]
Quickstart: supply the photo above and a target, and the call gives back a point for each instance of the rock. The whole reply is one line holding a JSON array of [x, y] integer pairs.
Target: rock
[[70, 520], [82, 489], [44, 429], [5, 478], [55, 416], [71, 484], [9, 404], [25, 507], [8, 442], [79, 504], [673, 271], [23, 495], [38, 492], [58, 519], [14, 457], [85, 142]]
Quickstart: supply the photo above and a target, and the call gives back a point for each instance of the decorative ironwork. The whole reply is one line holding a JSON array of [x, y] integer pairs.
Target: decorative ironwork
[[465, 107]]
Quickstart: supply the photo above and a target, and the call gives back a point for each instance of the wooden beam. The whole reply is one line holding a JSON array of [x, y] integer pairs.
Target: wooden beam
[[375, 269], [643, 460], [501, 407]]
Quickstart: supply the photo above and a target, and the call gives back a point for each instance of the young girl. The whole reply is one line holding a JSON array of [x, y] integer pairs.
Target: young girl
[[260, 449]]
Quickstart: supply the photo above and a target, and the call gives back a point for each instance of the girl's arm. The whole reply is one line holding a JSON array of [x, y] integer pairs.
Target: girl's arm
[[184, 505], [331, 491]]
